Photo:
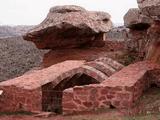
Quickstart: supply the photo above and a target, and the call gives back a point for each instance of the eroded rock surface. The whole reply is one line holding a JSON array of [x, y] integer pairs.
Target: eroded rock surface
[[150, 8], [70, 27], [134, 19], [136, 40]]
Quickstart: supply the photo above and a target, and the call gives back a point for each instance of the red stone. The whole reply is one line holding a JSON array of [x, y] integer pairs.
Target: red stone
[[87, 104], [78, 101], [110, 96], [102, 98], [116, 103], [70, 105], [104, 91], [130, 89], [117, 88], [107, 102], [122, 96]]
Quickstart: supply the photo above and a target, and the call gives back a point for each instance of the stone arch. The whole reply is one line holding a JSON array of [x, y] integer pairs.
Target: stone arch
[[90, 73], [52, 95], [52, 91]]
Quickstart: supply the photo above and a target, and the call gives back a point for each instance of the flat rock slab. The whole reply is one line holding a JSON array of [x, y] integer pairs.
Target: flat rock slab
[[70, 27]]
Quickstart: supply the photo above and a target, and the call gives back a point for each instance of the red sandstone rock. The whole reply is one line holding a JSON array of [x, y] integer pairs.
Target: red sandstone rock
[[136, 40], [151, 8], [70, 27], [89, 54]]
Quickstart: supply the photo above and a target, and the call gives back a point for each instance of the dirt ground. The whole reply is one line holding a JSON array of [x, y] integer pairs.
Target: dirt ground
[[103, 116]]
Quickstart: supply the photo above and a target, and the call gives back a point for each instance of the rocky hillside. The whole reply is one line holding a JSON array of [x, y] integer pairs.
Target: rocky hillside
[[12, 31], [17, 57]]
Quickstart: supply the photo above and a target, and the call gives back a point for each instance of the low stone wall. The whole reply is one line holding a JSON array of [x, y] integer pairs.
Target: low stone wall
[[25, 93], [41, 90], [94, 97], [17, 99], [121, 90]]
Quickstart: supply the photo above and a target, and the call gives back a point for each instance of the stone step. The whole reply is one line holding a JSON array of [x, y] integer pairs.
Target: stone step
[[105, 68]]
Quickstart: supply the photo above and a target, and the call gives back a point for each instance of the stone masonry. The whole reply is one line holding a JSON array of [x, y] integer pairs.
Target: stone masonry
[[41, 90], [120, 90]]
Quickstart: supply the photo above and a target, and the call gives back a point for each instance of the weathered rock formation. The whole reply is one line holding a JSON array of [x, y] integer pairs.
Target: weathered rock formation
[[136, 41], [72, 33], [134, 19], [151, 8], [70, 27], [89, 54]]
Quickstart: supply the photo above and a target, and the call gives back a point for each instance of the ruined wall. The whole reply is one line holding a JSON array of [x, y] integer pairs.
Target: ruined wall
[[17, 99], [95, 97], [120, 91]]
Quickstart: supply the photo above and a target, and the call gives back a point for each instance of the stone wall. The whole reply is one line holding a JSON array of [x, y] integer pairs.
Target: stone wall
[[17, 99], [95, 97], [41, 90], [120, 91]]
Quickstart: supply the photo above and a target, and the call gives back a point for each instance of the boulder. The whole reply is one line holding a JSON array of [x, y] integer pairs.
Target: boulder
[[134, 19], [150, 8], [70, 27]]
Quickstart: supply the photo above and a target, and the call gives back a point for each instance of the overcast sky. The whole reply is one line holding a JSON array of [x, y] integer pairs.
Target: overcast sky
[[30, 12]]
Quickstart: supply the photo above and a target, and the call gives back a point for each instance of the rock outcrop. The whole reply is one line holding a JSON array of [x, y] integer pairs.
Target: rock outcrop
[[134, 19], [70, 27], [150, 8], [136, 40]]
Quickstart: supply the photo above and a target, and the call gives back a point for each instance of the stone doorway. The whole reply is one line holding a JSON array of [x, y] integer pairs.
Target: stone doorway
[[52, 95]]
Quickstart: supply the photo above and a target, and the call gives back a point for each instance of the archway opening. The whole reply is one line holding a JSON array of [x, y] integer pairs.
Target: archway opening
[[52, 95]]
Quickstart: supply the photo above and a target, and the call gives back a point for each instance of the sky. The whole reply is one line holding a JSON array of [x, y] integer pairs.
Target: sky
[[32, 12]]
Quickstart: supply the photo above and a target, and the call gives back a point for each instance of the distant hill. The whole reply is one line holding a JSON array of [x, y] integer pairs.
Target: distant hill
[[13, 31]]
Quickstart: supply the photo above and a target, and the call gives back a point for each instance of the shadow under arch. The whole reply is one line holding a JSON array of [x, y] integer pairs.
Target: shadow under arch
[[52, 95]]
